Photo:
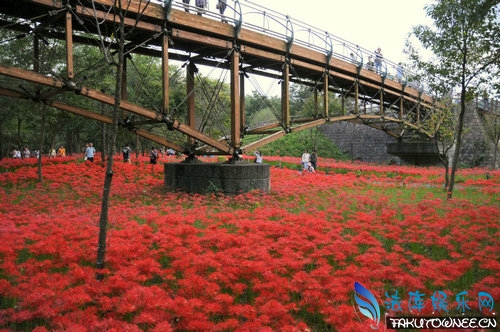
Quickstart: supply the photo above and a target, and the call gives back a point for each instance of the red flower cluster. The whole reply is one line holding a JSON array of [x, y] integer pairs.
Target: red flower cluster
[[284, 261]]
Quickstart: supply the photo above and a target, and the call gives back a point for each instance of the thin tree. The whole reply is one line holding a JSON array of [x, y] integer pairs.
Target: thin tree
[[464, 43], [118, 62]]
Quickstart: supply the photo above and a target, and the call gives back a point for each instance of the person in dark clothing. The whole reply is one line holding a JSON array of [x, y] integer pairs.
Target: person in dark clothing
[[186, 5], [153, 158], [221, 6], [314, 159], [126, 154]]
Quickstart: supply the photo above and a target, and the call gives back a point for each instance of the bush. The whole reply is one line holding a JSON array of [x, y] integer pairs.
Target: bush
[[294, 144]]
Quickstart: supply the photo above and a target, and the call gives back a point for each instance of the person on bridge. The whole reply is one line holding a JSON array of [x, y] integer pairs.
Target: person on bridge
[[202, 6], [399, 72], [370, 63], [221, 6], [186, 5], [378, 60]]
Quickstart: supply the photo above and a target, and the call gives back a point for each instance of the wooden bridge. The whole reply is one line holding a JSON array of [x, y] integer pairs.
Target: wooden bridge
[[248, 41]]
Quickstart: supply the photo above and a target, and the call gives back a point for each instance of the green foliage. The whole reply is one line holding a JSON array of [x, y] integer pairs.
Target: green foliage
[[464, 44], [295, 143]]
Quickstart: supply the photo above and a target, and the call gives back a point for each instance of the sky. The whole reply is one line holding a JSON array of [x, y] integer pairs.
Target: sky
[[367, 23]]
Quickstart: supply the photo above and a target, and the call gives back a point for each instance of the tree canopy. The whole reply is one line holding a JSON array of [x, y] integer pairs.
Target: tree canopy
[[459, 55]]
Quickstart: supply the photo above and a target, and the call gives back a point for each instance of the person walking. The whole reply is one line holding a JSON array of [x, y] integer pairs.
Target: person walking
[[126, 154], [258, 157], [378, 60], [221, 6], [90, 152], [153, 158], [202, 6], [186, 5], [26, 153], [305, 159], [61, 152], [314, 159]]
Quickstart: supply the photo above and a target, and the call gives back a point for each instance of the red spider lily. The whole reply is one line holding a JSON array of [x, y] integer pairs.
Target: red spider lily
[[285, 261]]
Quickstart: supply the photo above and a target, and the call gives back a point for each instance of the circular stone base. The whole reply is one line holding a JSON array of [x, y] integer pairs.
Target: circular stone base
[[229, 178]]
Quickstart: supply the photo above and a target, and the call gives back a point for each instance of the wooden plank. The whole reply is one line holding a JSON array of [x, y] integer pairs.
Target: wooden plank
[[106, 119], [30, 76], [127, 106]]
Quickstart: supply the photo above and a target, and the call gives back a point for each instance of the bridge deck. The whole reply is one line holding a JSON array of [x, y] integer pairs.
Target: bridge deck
[[208, 41]]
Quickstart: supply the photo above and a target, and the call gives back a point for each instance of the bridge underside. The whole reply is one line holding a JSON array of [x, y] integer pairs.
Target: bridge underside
[[171, 35], [417, 153]]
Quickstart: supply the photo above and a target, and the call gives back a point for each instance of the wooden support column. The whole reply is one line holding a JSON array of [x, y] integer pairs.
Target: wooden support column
[[285, 96], [401, 105], [235, 100], [356, 97], [315, 101], [190, 120], [242, 100], [325, 97], [164, 64], [342, 102], [418, 107], [381, 106], [69, 46]]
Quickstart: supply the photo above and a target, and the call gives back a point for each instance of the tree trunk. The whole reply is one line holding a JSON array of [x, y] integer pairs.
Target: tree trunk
[[103, 219], [1, 140], [456, 154], [103, 135], [496, 140], [19, 121], [42, 142]]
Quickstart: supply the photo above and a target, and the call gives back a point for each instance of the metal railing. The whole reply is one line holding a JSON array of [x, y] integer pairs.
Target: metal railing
[[254, 17]]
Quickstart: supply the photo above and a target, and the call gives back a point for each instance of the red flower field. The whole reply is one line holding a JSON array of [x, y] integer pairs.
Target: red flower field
[[283, 261]]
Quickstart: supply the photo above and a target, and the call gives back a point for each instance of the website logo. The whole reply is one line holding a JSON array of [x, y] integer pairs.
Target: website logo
[[367, 304]]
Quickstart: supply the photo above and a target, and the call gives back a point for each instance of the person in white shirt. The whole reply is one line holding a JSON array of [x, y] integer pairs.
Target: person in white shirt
[[305, 159], [258, 157]]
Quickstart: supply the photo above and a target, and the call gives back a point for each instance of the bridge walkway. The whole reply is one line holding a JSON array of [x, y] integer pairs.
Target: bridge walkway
[[280, 48]]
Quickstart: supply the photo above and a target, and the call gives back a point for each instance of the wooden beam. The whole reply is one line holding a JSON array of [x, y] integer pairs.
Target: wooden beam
[[242, 100], [69, 46], [308, 125], [325, 96], [106, 119], [235, 100], [190, 72], [30, 76], [266, 140], [12, 93], [165, 75], [174, 124], [285, 95]]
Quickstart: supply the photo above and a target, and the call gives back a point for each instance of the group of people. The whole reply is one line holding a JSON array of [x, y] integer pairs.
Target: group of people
[[375, 64], [309, 161], [376, 60], [26, 153], [23, 154], [202, 6]]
